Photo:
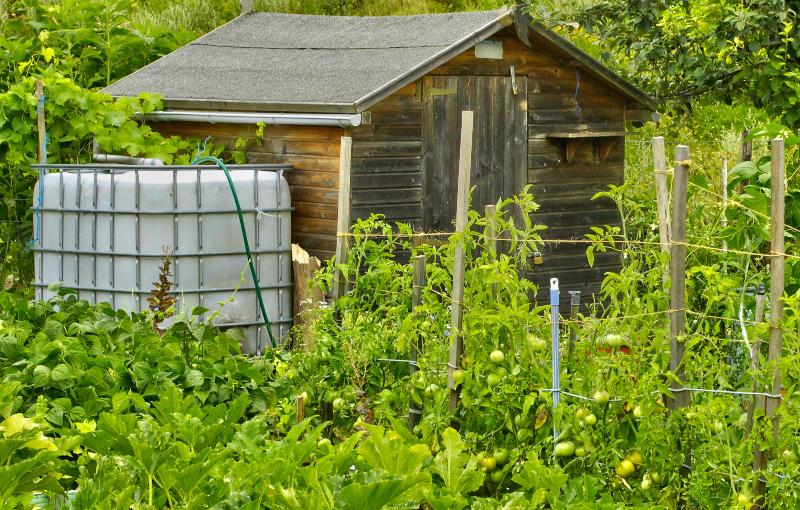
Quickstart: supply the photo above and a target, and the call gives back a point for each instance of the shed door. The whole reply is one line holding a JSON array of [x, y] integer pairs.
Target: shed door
[[499, 150]]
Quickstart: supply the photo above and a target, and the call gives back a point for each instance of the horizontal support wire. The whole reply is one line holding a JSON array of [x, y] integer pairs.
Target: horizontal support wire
[[619, 399], [634, 242]]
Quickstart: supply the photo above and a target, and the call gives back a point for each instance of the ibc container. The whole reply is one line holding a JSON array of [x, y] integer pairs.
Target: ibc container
[[102, 230]]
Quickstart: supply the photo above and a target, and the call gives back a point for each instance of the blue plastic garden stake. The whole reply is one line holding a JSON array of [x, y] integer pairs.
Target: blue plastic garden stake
[[554, 298]]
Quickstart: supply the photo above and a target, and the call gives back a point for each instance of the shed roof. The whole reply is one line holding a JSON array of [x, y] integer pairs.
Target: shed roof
[[284, 62]]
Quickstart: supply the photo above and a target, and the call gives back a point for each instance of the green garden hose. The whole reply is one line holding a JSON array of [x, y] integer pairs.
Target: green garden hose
[[221, 165]]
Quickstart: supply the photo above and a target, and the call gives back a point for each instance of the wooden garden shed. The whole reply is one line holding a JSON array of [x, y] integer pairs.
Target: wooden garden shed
[[545, 114]]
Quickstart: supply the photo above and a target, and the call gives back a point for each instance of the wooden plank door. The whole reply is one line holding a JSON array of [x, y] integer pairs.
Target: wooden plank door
[[499, 157]]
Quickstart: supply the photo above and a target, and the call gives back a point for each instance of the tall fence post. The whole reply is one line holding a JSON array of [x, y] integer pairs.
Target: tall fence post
[[343, 216], [776, 282], [777, 266], [677, 265], [462, 210], [419, 281], [662, 196]]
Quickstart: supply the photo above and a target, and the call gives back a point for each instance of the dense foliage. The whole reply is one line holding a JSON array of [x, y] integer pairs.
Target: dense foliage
[[106, 409], [681, 52], [97, 405]]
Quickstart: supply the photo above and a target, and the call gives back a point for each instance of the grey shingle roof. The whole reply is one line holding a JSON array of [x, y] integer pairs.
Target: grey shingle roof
[[283, 62], [276, 59]]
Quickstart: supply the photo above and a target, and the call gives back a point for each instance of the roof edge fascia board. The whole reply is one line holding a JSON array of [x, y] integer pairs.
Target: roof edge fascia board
[[255, 106], [227, 117], [502, 21]]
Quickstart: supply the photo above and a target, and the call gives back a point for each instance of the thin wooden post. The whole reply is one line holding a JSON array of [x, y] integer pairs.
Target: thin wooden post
[[40, 121], [662, 196], [307, 298], [777, 266], [462, 210], [724, 219], [491, 230], [343, 216], [755, 360], [574, 308], [745, 154], [776, 282], [677, 266], [419, 281], [301, 408]]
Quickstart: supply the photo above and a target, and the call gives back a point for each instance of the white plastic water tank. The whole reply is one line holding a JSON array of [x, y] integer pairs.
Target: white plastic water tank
[[104, 229]]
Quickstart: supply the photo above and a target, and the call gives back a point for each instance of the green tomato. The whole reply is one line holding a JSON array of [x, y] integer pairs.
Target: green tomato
[[580, 451], [789, 456], [614, 340], [637, 413], [601, 397], [565, 449], [431, 390], [590, 420], [497, 476], [324, 443], [519, 421], [417, 431], [489, 463], [582, 413], [536, 343], [502, 372], [625, 468], [338, 403], [501, 456], [646, 484], [459, 376], [493, 380], [524, 435], [497, 357]]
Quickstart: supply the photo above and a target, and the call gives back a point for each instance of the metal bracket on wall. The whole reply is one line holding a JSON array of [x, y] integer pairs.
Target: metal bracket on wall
[[514, 88]]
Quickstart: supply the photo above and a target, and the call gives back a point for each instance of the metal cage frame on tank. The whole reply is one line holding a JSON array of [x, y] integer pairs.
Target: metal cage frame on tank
[[90, 209]]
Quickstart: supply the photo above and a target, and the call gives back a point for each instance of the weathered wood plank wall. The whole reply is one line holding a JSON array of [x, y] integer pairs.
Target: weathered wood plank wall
[[314, 152], [561, 99], [386, 171]]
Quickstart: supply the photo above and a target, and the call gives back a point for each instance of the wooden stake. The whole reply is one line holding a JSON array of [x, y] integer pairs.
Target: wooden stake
[[775, 305], [343, 216], [662, 196], [755, 361], [40, 124], [306, 297], [574, 308], [746, 154], [491, 231], [301, 408], [462, 210], [419, 281], [677, 267], [776, 276]]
